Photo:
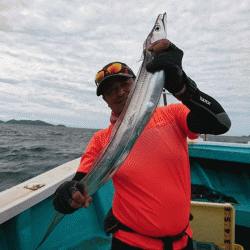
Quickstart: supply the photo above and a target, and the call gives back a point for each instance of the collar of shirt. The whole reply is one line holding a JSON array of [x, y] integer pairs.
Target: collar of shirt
[[113, 118]]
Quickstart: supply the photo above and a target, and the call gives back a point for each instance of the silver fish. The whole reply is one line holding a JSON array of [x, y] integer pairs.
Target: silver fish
[[141, 104]]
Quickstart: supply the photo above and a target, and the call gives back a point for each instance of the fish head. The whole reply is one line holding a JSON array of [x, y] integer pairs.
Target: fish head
[[158, 32]]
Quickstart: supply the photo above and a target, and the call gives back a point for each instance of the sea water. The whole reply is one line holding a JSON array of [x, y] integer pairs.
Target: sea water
[[27, 151]]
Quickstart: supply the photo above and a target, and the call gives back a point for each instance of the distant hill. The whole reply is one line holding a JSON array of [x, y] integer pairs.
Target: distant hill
[[30, 122]]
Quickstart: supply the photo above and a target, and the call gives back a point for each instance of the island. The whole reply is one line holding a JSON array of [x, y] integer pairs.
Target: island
[[61, 125], [30, 122]]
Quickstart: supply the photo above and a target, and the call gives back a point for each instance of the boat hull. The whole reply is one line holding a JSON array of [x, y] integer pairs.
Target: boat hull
[[24, 222]]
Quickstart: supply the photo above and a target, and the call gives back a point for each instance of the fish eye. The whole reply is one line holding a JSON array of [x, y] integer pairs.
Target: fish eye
[[157, 28]]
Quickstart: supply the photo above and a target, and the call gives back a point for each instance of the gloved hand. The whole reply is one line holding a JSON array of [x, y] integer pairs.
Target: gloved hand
[[168, 58], [71, 196]]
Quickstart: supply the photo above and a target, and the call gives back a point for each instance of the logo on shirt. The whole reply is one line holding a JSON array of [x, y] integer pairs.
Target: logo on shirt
[[205, 101]]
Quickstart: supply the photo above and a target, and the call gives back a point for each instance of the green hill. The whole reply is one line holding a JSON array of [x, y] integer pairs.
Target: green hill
[[30, 122]]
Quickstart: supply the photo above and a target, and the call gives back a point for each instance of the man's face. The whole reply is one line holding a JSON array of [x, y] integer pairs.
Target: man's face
[[116, 92]]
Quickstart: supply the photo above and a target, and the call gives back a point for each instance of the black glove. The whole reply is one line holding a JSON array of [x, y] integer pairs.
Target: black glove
[[63, 196], [169, 60]]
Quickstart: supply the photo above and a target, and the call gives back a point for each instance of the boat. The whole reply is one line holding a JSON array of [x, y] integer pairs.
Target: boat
[[224, 170], [220, 176]]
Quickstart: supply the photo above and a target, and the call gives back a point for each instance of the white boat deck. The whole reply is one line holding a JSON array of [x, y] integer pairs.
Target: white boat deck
[[19, 198]]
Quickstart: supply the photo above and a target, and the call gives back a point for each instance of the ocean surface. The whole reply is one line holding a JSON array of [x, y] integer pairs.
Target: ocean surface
[[28, 150]]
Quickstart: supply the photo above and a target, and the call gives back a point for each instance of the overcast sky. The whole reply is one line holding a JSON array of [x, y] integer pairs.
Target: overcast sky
[[50, 51]]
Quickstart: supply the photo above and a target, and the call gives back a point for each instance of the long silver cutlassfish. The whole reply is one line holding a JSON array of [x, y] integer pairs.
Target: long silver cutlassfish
[[141, 104]]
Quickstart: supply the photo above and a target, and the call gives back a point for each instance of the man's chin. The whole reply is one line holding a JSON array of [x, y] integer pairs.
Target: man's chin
[[119, 111], [120, 106], [123, 101]]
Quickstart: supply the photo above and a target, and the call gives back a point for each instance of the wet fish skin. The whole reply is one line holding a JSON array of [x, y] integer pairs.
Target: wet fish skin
[[141, 104]]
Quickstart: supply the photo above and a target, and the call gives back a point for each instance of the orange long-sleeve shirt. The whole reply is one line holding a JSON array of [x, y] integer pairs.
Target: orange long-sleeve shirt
[[153, 185]]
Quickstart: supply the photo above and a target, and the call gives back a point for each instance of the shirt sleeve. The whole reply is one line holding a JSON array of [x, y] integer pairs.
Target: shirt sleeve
[[96, 144], [181, 112]]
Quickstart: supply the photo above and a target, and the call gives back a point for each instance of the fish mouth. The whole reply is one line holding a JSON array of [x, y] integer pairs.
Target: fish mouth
[[154, 35], [164, 20]]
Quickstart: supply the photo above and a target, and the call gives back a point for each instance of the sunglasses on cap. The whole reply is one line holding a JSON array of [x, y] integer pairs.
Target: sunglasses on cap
[[112, 69]]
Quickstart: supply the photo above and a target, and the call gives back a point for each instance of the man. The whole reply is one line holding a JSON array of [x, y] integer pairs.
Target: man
[[151, 204]]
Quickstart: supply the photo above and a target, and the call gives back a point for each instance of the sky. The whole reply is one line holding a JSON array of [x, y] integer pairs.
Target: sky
[[50, 52]]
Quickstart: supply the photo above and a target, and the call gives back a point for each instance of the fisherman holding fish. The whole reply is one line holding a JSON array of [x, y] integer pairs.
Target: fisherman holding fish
[[151, 205]]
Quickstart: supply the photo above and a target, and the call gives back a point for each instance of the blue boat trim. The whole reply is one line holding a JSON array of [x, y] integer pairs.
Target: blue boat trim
[[220, 166], [224, 167], [217, 151]]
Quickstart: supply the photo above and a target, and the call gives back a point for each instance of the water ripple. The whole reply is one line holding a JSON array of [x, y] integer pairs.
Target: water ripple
[[27, 151]]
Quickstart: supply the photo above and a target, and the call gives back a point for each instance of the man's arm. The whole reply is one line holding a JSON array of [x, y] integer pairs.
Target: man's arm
[[78, 176], [72, 195], [206, 115]]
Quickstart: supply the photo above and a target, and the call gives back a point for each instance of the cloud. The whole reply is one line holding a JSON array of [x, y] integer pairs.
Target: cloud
[[51, 51]]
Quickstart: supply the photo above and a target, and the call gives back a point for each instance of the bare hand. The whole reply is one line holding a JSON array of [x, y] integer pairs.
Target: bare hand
[[80, 200], [159, 45]]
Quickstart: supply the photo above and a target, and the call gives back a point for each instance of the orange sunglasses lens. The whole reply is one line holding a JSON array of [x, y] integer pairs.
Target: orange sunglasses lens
[[110, 70], [99, 76], [114, 68]]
